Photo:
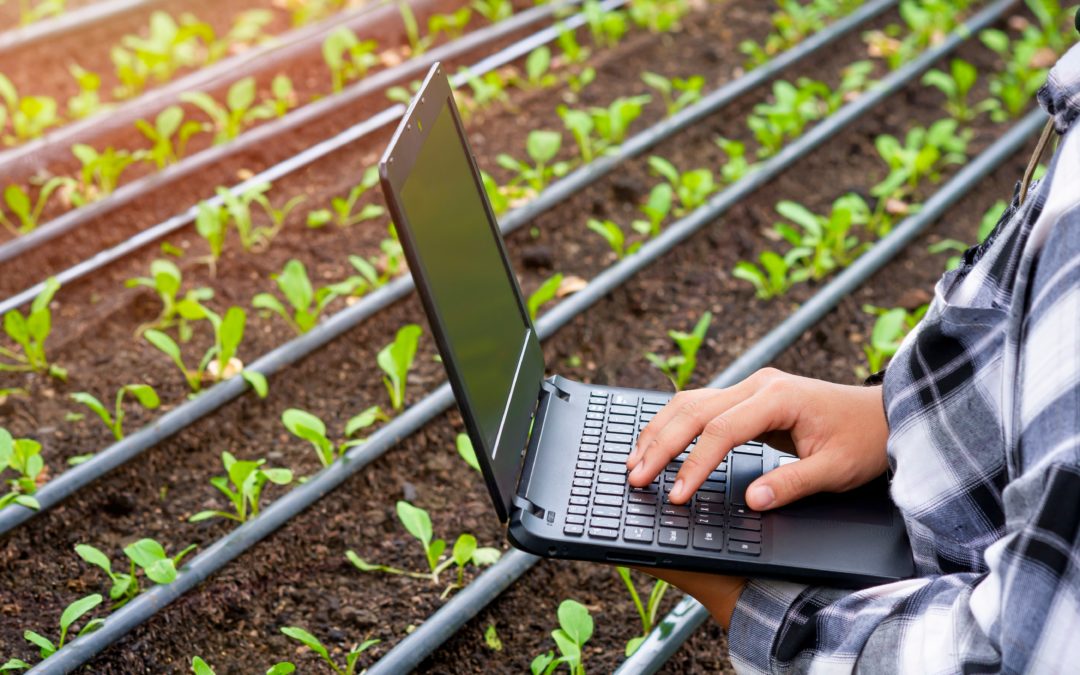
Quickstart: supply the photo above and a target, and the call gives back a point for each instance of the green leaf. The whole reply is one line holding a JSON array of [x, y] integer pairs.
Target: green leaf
[[465, 449], [200, 667], [257, 381], [463, 550], [13, 665], [306, 638], [145, 552], [230, 334], [283, 668], [164, 343], [416, 521], [94, 556], [305, 425], [485, 556], [540, 664], [295, 285], [544, 294], [364, 420], [632, 645], [76, 610], [575, 620], [7, 448], [241, 94], [46, 645], [542, 145], [145, 394], [94, 404], [491, 639]]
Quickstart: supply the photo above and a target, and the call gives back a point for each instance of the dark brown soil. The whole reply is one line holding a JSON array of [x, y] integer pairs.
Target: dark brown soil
[[299, 576]]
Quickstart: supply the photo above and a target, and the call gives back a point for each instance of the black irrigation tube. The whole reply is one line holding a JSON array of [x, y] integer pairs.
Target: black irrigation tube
[[105, 461], [76, 19], [558, 191], [224, 550], [688, 615], [262, 134]]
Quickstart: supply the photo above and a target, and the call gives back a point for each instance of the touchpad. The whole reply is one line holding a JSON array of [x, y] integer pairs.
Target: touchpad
[[868, 504]]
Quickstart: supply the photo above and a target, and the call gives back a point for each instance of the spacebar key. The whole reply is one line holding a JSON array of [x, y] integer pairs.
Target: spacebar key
[[744, 470]]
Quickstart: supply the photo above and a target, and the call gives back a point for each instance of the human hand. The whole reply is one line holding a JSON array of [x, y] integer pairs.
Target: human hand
[[838, 431], [718, 593]]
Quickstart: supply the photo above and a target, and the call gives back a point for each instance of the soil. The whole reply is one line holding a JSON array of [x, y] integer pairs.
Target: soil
[[299, 575]]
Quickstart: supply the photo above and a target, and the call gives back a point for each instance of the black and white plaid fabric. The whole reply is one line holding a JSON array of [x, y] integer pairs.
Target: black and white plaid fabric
[[983, 403]]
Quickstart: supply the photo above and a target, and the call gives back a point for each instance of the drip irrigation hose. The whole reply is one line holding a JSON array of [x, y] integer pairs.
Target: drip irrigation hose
[[74, 479], [556, 192], [224, 550], [688, 615], [298, 118], [68, 22]]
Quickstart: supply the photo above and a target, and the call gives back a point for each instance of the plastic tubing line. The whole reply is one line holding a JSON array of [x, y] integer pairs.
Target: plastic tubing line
[[688, 615], [75, 478], [224, 550], [76, 19], [298, 118], [555, 193]]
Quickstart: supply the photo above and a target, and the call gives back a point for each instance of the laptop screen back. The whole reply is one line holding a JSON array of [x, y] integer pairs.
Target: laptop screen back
[[463, 267]]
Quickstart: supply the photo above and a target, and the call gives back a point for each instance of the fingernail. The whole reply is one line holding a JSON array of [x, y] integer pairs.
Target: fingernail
[[760, 497], [676, 490], [633, 459]]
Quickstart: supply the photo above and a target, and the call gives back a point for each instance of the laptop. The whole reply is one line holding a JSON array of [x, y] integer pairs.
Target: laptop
[[552, 450]]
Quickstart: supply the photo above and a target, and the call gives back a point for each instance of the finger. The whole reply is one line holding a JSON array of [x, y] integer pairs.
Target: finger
[[661, 419], [785, 484], [770, 409]]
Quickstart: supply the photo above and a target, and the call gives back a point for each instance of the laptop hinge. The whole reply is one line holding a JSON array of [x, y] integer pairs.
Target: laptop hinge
[[548, 389]]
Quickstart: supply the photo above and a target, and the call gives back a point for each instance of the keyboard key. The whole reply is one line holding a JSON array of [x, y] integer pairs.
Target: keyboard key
[[749, 450], [744, 470], [640, 521], [718, 477], [587, 456], [579, 501], [624, 399], [583, 482], [622, 419], [642, 498], [713, 486], [654, 400], [586, 466], [576, 510], [618, 409], [589, 433], [603, 533], [745, 524], [647, 416], [614, 457], [709, 497], [593, 408], [608, 500], [594, 424], [613, 467], [670, 537], [744, 512], [638, 534], [745, 535], [575, 520], [583, 473], [675, 510], [709, 509], [619, 439], [745, 547], [607, 512], [573, 530], [612, 478], [710, 520], [608, 523], [580, 491], [640, 510], [590, 439], [595, 416], [620, 428], [608, 489], [708, 538], [623, 450], [675, 521]]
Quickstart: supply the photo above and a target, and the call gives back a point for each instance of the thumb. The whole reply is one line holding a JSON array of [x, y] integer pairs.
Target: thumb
[[791, 482]]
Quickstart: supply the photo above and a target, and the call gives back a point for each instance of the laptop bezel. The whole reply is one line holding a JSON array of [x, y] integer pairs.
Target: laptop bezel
[[501, 464]]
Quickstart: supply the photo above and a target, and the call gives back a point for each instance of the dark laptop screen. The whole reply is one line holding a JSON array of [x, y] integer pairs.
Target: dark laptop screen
[[462, 262]]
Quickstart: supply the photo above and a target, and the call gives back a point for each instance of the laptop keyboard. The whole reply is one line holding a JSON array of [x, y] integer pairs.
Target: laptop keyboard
[[603, 506]]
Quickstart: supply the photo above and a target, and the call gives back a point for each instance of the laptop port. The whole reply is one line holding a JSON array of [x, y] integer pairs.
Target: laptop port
[[631, 559]]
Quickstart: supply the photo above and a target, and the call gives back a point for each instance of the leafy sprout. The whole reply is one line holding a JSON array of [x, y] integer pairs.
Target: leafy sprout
[[575, 629], [614, 236], [888, 332], [348, 57], [680, 368], [466, 451], [677, 93], [143, 393], [956, 85], [71, 614], [395, 359], [26, 210], [493, 10], [305, 303], [311, 642], [27, 117], [145, 554], [544, 294], [29, 332], [541, 146], [736, 166], [239, 111], [308, 427], [824, 243], [656, 209], [342, 214], [242, 486], [166, 280], [923, 153], [23, 456], [169, 134], [692, 188], [100, 174], [646, 612], [774, 274]]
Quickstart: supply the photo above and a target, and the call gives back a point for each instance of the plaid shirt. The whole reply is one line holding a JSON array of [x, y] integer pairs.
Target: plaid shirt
[[983, 405]]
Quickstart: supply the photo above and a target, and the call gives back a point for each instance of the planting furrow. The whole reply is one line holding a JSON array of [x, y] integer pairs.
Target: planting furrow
[[366, 17], [574, 306], [688, 615], [68, 22]]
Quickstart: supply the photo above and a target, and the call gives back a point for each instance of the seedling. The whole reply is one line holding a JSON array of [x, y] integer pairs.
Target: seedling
[[677, 93], [242, 485], [70, 615], [614, 236], [342, 214], [775, 274], [956, 85], [923, 154], [466, 450], [169, 123], [493, 10], [166, 280], [1013, 88], [306, 304], [656, 209], [692, 187], [238, 209], [395, 359], [303, 424], [541, 146], [23, 456], [646, 612], [143, 393], [824, 243], [403, 95], [580, 79], [607, 27], [986, 226], [238, 113], [452, 24], [283, 96], [417, 522], [793, 107], [889, 330], [100, 174], [538, 67], [737, 166], [417, 44], [200, 667], [613, 123], [347, 57], [27, 117], [544, 294], [29, 332], [212, 224], [572, 51], [486, 89], [145, 554], [311, 642], [31, 11], [491, 639], [575, 629], [680, 368], [659, 16], [927, 22], [26, 211], [500, 201], [581, 126]]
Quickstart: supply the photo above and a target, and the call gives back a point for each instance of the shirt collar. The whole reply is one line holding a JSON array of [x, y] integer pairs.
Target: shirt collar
[[1060, 96]]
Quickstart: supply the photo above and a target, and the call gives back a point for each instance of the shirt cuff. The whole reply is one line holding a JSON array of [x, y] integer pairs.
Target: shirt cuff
[[759, 614]]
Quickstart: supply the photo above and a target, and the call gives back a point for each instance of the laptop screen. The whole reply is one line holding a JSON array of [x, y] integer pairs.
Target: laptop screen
[[463, 265]]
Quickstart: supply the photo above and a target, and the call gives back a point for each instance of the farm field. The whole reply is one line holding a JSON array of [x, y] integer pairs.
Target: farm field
[[221, 405]]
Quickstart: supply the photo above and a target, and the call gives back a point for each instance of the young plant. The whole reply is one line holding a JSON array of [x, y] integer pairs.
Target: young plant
[[486, 89], [580, 124], [145, 554], [541, 146], [679, 369], [23, 456], [466, 451], [243, 485], [792, 108], [311, 642], [452, 24], [417, 522], [538, 73], [201, 667], [646, 612], [212, 224], [395, 359], [659, 16], [237, 207], [100, 174], [23, 118], [792, 22], [544, 294], [347, 57], [889, 330], [29, 332], [493, 10], [956, 85], [496, 194], [572, 51], [26, 211], [238, 113], [342, 214], [306, 304], [417, 44], [575, 629], [692, 188], [70, 615], [170, 122], [736, 166], [986, 226], [824, 243], [607, 27], [775, 274], [677, 93], [613, 122], [922, 155], [166, 280], [143, 393], [310, 428], [1013, 88], [614, 236], [32, 11], [656, 209]]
